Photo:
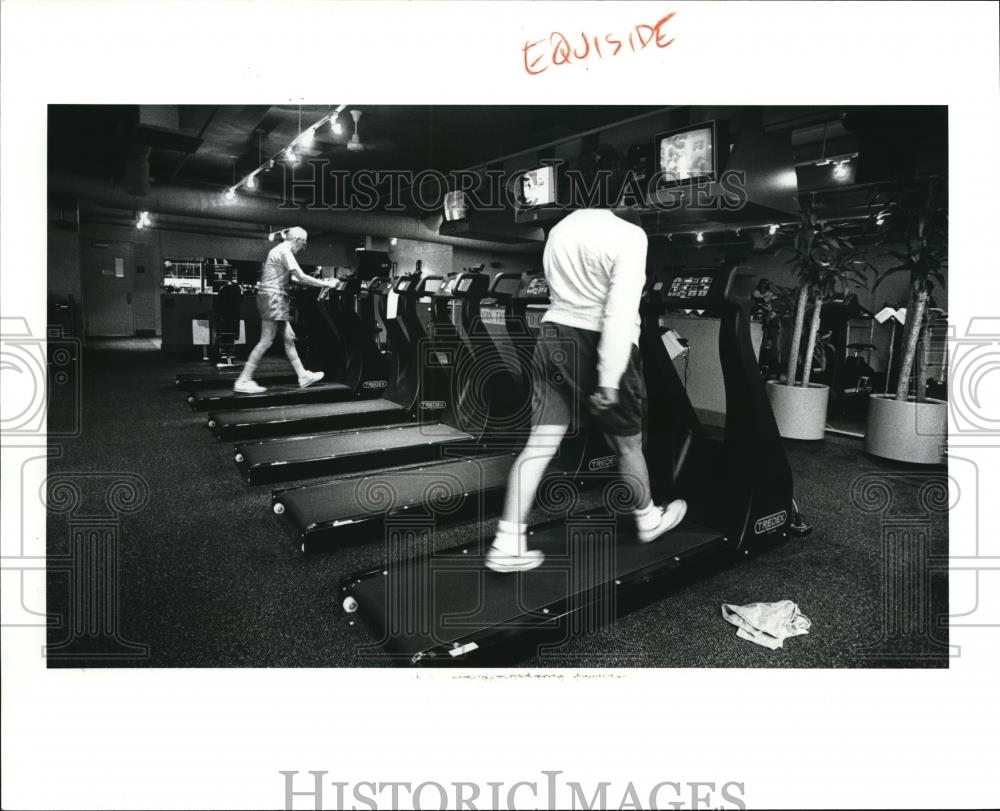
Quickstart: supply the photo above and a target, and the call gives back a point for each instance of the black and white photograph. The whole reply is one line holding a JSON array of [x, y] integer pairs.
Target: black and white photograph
[[648, 362], [383, 431]]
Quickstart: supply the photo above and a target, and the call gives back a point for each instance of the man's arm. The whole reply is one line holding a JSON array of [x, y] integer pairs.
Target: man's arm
[[627, 280]]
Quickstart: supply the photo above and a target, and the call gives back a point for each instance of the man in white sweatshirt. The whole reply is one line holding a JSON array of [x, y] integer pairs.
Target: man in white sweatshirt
[[587, 366]]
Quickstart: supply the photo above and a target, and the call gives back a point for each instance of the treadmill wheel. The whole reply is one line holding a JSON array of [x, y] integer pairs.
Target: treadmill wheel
[[239, 457], [350, 605], [279, 508]]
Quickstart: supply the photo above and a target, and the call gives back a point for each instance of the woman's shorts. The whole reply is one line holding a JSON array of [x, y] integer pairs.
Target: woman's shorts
[[274, 306], [564, 375]]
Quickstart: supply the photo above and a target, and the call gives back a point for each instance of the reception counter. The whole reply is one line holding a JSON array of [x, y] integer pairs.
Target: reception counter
[[186, 319], [702, 368]]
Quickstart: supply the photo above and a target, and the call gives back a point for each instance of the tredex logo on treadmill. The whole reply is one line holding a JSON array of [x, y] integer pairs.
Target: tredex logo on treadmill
[[603, 462], [431, 405], [375, 384], [770, 522]]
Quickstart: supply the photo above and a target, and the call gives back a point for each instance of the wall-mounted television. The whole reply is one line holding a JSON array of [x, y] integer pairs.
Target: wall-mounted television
[[687, 155], [455, 206], [535, 188]]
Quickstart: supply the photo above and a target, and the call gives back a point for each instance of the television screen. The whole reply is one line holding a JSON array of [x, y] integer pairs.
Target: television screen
[[455, 207], [537, 187], [687, 155]]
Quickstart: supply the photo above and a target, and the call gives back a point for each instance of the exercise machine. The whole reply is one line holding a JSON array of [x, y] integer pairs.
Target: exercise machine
[[444, 606], [372, 346], [324, 336], [350, 509], [437, 425]]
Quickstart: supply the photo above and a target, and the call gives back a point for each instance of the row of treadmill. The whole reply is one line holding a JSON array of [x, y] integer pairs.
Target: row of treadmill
[[424, 407]]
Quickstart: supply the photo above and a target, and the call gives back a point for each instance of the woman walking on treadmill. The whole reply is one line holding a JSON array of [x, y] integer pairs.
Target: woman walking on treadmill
[[273, 304], [590, 370]]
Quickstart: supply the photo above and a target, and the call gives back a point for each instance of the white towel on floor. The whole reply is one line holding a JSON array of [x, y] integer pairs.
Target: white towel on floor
[[767, 624]]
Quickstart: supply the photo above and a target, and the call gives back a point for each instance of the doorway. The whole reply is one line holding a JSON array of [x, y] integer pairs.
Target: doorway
[[108, 289]]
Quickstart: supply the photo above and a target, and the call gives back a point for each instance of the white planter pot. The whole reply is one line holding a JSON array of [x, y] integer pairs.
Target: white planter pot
[[907, 431], [800, 413]]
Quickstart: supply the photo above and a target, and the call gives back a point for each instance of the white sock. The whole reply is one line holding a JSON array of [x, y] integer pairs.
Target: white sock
[[648, 517], [510, 537]]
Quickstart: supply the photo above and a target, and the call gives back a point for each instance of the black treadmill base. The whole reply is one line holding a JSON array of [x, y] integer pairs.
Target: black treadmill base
[[208, 380], [447, 608], [228, 400], [256, 425]]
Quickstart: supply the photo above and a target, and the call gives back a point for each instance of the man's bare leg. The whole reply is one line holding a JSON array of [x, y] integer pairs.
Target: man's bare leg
[[509, 551]]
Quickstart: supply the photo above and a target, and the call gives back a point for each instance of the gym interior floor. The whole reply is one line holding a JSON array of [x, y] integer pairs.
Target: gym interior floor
[[209, 577]]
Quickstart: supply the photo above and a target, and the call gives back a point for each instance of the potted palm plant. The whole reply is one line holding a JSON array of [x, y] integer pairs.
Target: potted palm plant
[[905, 426], [823, 261]]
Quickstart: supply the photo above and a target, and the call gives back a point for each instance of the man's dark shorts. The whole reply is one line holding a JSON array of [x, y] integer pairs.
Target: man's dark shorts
[[564, 375]]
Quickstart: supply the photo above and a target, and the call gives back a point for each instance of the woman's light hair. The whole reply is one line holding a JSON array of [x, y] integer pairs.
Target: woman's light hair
[[296, 233]]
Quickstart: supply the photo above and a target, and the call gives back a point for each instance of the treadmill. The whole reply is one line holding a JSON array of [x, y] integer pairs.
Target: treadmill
[[376, 352], [446, 607], [325, 350], [352, 509], [437, 424], [193, 381]]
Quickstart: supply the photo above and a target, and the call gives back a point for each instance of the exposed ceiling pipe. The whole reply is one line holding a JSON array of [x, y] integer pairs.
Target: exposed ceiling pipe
[[266, 211]]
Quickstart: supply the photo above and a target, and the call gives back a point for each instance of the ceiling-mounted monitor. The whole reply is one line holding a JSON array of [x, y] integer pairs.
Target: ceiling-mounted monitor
[[687, 155], [456, 208], [535, 188]]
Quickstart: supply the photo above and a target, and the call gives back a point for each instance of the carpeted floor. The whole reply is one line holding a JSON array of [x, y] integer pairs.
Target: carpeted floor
[[208, 577]]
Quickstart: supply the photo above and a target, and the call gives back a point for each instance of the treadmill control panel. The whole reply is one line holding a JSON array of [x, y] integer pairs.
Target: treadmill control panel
[[533, 315], [537, 288], [689, 287], [703, 289], [493, 314]]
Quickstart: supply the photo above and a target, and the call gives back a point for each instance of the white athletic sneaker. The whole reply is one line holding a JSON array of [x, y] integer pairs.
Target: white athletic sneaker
[[500, 561], [309, 378], [669, 517], [248, 387]]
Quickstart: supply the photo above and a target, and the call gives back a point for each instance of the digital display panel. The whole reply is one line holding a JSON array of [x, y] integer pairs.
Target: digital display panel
[[464, 285], [537, 287], [690, 287], [431, 285]]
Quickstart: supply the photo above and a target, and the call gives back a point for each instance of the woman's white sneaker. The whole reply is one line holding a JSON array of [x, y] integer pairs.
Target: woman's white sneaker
[[309, 378], [248, 387], [669, 517]]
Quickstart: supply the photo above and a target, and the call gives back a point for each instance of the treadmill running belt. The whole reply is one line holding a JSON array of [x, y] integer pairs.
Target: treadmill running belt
[[343, 451], [210, 380], [260, 422], [449, 603], [216, 399], [350, 505]]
